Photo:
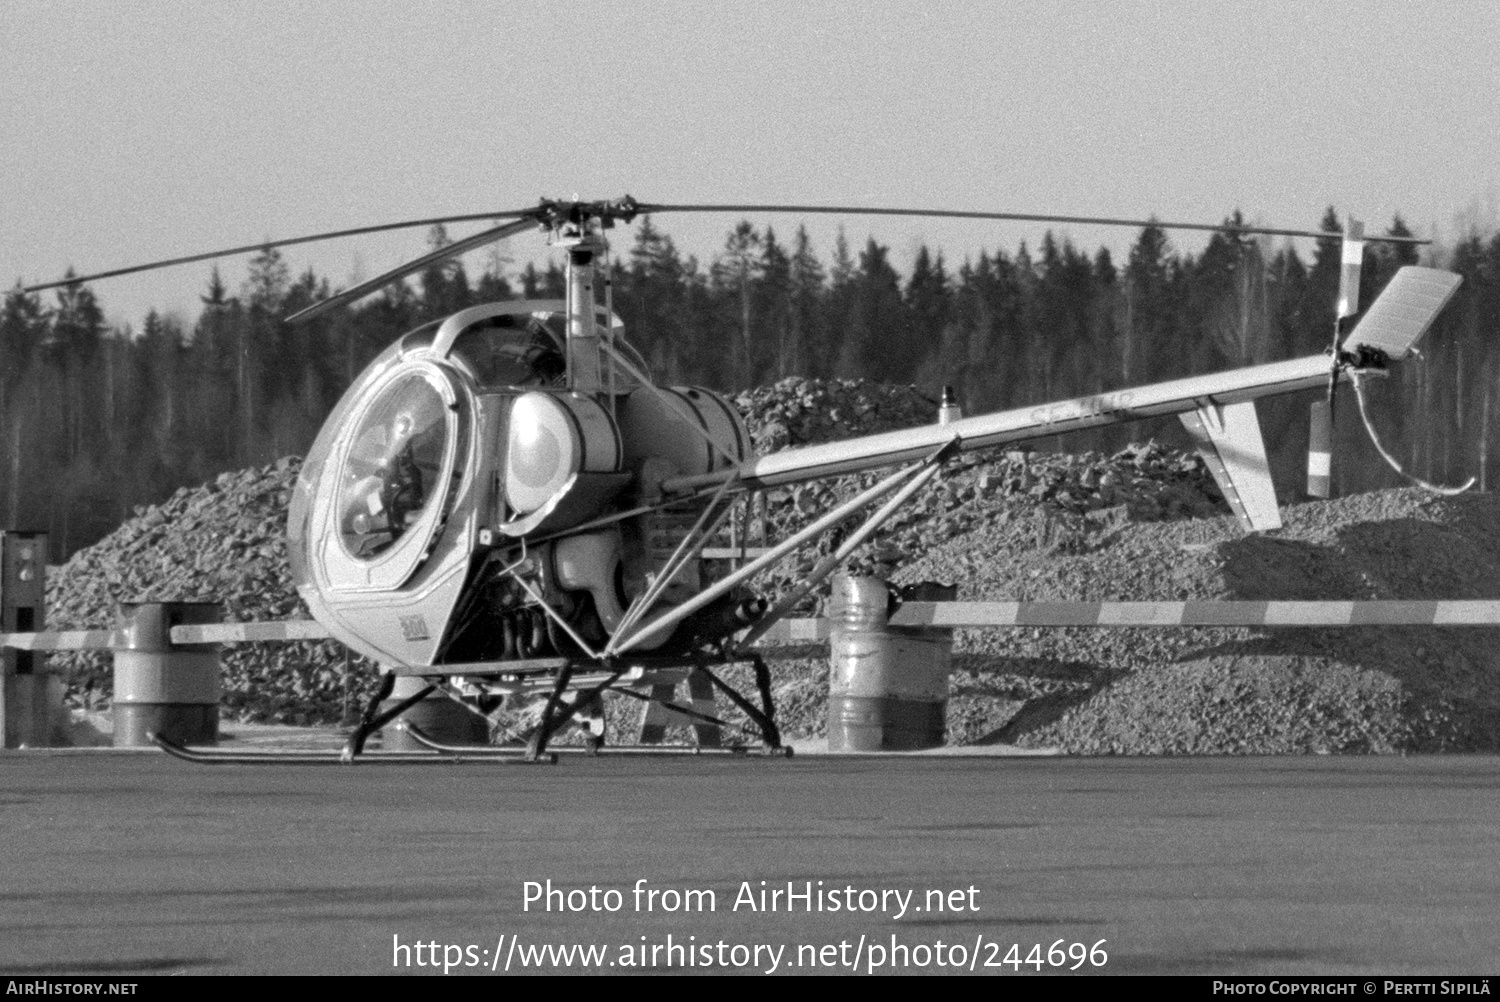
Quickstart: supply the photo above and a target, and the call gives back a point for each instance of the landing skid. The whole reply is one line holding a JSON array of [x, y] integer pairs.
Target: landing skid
[[593, 750], [573, 687], [218, 757]]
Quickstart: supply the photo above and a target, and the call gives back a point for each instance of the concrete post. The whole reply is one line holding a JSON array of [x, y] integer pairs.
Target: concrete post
[[31, 699]]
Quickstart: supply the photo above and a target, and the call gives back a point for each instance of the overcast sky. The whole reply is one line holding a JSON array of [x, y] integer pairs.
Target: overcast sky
[[154, 129]]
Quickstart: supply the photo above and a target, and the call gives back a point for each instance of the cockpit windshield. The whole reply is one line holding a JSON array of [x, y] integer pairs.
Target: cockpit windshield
[[392, 469], [511, 350]]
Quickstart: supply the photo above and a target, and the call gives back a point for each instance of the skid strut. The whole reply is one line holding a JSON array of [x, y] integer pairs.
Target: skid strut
[[560, 710], [585, 706], [373, 719], [660, 708], [701, 683], [765, 715]]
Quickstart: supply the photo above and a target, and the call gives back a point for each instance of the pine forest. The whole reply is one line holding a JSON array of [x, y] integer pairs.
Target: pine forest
[[96, 420]]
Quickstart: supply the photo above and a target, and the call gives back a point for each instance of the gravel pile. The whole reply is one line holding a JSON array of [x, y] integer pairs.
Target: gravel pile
[[1219, 691], [800, 411], [1146, 523], [1048, 502]]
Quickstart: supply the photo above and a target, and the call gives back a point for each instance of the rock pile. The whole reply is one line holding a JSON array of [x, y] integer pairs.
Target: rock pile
[[800, 411], [1053, 502], [1221, 691], [1407, 689]]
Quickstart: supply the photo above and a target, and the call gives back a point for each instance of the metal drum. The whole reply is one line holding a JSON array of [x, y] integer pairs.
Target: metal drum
[[161, 687], [438, 717], [888, 686]]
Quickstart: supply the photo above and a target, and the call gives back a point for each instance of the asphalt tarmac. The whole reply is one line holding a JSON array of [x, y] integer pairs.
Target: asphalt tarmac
[[118, 863]]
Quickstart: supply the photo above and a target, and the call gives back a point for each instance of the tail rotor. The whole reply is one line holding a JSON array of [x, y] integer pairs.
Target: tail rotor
[[1387, 333], [1320, 420]]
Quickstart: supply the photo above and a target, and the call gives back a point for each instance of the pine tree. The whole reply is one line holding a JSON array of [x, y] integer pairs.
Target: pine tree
[[268, 281], [1320, 303], [213, 364], [531, 281], [652, 298], [1230, 304], [808, 350], [877, 345], [445, 284], [24, 326], [774, 309], [77, 339], [1147, 329], [159, 425], [1104, 334], [927, 335], [734, 274], [839, 352], [1062, 341], [977, 372], [218, 294]]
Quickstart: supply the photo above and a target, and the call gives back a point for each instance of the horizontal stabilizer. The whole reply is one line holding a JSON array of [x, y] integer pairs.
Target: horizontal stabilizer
[[1404, 311], [1230, 443]]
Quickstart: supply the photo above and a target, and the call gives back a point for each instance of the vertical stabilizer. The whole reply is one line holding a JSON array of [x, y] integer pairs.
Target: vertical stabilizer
[[1230, 443]]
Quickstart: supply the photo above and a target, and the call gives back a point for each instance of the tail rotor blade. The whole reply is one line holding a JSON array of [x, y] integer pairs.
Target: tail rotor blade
[[1351, 258], [1320, 450]]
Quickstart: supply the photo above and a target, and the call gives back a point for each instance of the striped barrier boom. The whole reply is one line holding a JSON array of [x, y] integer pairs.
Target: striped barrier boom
[[1138, 614], [734, 552], [245, 633], [1123, 615], [64, 640], [207, 633], [796, 631], [941, 615]]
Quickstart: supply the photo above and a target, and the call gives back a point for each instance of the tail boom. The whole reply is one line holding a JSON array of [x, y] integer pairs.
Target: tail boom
[[986, 431]]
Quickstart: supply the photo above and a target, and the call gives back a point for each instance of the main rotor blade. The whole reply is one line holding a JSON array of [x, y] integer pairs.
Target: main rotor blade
[[266, 244], [441, 254], [854, 210]]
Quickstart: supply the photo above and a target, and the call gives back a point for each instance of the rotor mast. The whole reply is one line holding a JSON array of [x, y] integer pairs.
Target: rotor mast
[[581, 237]]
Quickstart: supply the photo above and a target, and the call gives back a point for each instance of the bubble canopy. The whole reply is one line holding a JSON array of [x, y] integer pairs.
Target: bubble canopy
[[386, 467], [510, 351], [392, 472]]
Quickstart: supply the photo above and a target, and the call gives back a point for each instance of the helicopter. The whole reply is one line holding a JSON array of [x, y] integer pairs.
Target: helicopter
[[505, 503]]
